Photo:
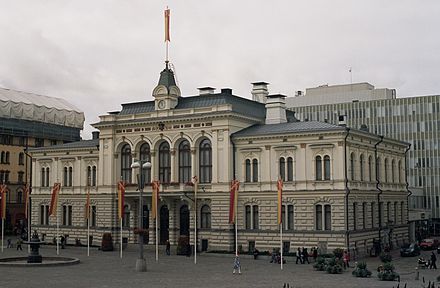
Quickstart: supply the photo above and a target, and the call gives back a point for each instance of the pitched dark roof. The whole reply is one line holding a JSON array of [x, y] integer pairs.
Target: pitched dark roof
[[94, 143], [167, 77], [240, 105], [289, 127]]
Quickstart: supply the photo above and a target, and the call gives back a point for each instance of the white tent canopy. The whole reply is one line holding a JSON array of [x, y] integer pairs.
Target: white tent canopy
[[28, 106]]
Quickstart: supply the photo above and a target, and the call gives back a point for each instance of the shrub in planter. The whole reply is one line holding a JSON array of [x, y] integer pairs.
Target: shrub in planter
[[338, 252], [334, 266], [361, 270], [320, 264], [385, 257], [386, 272]]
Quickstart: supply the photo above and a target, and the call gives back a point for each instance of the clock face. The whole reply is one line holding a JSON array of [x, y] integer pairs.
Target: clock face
[[161, 104]]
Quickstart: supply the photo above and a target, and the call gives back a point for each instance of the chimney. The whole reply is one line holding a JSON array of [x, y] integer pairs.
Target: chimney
[[206, 90], [260, 92], [226, 91], [299, 93], [95, 135], [276, 109]]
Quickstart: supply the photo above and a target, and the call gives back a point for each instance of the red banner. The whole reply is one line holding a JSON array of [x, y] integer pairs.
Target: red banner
[[54, 199], [233, 197], [121, 195]]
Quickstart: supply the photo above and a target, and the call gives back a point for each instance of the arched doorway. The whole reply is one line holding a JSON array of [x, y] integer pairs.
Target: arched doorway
[[164, 224], [184, 220]]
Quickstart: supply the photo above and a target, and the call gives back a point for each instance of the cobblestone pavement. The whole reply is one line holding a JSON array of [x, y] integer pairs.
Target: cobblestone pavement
[[106, 269]]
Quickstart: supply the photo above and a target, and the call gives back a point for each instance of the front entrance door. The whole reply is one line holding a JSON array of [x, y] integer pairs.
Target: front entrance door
[[164, 225], [184, 220]]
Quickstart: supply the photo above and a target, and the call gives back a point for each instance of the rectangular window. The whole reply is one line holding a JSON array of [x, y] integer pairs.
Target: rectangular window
[[364, 215], [328, 217], [318, 217], [93, 216], [290, 217], [255, 217], [248, 216], [354, 216]]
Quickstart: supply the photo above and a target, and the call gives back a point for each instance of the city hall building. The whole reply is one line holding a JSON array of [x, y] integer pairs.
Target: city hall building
[[342, 187]]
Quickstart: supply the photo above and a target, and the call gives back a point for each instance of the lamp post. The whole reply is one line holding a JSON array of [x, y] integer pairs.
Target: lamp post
[[141, 265]]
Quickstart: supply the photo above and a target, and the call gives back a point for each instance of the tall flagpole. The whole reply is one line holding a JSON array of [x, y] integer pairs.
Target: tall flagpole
[[157, 240], [3, 229], [29, 218], [236, 219], [281, 243], [58, 231], [120, 246], [156, 190]]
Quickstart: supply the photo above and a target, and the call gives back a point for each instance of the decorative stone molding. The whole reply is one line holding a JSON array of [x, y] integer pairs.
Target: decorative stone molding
[[324, 200]]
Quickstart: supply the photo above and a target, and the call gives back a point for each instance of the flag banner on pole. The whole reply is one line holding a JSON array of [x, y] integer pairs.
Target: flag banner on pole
[[26, 201], [167, 25], [154, 197], [3, 191], [121, 196], [54, 199], [87, 209], [233, 200], [280, 200]]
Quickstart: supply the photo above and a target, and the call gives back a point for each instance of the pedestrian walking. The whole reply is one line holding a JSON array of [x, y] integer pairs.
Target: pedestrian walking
[[168, 247], [237, 265], [298, 255], [9, 243], [315, 254], [433, 260], [306, 255], [19, 242], [346, 259]]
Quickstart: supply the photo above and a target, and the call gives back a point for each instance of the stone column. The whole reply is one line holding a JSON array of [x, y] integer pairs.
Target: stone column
[[174, 166]]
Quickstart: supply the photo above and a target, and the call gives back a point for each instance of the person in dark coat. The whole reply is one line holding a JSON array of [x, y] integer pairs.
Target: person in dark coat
[[168, 248], [433, 260], [305, 256], [298, 256], [315, 254]]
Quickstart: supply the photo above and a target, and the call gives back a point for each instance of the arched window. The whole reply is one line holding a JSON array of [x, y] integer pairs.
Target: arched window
[[247, 170], [393, 170], [352, 166], [255, 170], [326, 167], [205, 217], [70, 176], [289, 169], [164, 163], [7, 158], [66, 176], [318, 167], [145, 155], [205, 161], [94, 176], [3, 158], [370, 169], [21, 158], [361, 167], [282, 168], [399, 172], [89, 175], [126, 163], [386, 170], [43, 177], [19, 196], [47, 176], [318, 217], [184, 162]]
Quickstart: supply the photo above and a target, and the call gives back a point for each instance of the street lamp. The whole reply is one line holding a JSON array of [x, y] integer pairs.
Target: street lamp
[[141, 265]]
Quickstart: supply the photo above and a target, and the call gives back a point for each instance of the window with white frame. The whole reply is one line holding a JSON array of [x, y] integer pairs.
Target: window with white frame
[[288, 219], [44, 214], [251, 170], [93, 215], [145, 155], [251, 217], [184, 162], [322, 168], [205, 161], [67, 215], [67, 176], [205, 217], [126, 159], [286, 168], [323, 217]]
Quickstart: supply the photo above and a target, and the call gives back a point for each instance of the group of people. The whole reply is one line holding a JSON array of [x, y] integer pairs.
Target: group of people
[[18, 243], [302, 255]]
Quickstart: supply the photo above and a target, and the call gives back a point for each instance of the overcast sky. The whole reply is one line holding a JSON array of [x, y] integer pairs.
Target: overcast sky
[[98, 54]]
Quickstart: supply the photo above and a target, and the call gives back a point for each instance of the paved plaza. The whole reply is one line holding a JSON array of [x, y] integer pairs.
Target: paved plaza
[[106, 269]]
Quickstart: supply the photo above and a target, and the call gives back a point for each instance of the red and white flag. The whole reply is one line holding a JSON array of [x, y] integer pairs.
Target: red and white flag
[[121, 196], [233, 197], [54, 199], [154, 197]]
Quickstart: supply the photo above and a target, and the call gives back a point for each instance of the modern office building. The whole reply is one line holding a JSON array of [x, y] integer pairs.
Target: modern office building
[[415, 120], [329, 200], [30, 120]]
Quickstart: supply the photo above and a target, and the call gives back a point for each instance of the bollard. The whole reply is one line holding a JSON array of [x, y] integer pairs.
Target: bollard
[[417, 273]]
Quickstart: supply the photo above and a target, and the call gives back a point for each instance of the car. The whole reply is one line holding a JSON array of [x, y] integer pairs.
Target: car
[[429, 244], [410, 250]]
